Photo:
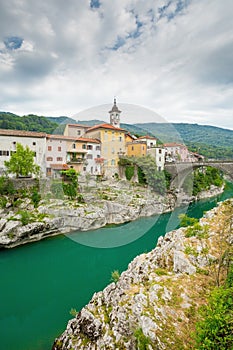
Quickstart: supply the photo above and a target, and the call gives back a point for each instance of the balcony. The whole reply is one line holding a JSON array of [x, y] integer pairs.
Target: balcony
[[99, 160], [76, 160]]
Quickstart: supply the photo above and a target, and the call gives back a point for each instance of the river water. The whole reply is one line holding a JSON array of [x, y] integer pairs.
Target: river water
[[42, 281]]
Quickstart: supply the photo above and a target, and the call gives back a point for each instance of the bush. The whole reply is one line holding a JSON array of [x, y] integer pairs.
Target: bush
[[115, 275], [25, 217], [185, 220], [129, 172], [215, 329], [57, 190], [36, 197], [6, 186], [142, 340]]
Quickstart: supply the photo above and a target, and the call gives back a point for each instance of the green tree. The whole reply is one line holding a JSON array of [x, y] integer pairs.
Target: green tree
[[22, 162], [71, 187]]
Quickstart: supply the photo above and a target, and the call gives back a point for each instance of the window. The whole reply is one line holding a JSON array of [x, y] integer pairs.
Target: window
[[113, 150], [89, 156], [89, 147], [113, 162], [79, 132], [132, 148], [120, 138], [34, 143], [160, 151], [4, 153], [49, 148], [34, 154], [84, 147], [160, 159], [97, 148], [49, 159], [14, 142], [59, 148], [143, 148], [73, 145], [59, 159], [98, 155], [84, 168]]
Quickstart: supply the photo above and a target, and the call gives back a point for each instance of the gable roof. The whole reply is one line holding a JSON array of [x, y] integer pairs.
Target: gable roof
[[148, 137], [105, 126], [78, 125], [22, 133], [72, 138]]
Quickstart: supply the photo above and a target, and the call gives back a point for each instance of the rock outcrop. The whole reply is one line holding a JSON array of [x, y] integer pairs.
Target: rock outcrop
[[155, 300]]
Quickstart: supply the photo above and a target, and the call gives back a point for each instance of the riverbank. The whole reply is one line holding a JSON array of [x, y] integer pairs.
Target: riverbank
[[112, 202], [156, 300]]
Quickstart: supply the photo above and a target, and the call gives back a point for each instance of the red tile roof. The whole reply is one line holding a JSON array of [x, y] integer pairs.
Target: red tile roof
[[148, 137], [89, 140], [22, 133], [105, 126], [173, 144], [79, 125], [72, 138]]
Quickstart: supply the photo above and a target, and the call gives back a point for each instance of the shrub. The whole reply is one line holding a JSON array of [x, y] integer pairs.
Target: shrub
[[115, 275], [129, 172], [36, 197], [142, 340], [26, 217]]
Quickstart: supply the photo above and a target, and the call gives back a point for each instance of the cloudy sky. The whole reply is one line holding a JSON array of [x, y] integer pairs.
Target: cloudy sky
[[174, 57]]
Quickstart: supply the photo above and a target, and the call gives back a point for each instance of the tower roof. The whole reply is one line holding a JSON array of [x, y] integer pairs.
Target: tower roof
[[114, 107]]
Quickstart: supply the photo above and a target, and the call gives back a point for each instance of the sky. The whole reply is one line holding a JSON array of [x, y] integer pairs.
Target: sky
[[173, 58]]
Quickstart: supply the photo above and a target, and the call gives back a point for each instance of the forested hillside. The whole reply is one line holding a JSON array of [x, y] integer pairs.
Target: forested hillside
[[212, 142], [29, 122]]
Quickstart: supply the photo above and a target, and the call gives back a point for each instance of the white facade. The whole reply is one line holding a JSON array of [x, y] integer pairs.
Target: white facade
[[34, 140], [93, 158], [56, 153], [158, 153], [75, 130], [150, 141]]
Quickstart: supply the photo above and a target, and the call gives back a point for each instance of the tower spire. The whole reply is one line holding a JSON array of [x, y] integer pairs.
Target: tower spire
[[115, 114]]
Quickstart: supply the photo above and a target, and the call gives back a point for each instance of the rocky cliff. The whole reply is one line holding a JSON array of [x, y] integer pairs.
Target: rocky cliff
[[110, 203], [100, 206], [154, 303]]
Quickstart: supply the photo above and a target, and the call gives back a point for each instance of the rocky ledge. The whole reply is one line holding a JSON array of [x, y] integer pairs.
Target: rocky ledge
[[113, 203], [155, 300]]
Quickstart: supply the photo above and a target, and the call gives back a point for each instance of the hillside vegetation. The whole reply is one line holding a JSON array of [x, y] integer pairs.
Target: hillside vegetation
[[211, 141]]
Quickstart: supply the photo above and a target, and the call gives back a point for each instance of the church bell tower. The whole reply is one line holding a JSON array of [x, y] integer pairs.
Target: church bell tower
[[115, 115]]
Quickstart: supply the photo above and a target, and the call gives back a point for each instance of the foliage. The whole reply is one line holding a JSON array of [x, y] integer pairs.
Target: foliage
[[215, 329], [3, 202], [73, 312], [71, 188], [129, 172], [185, 220], [197, 230], [152, 176], [193, 136], [26, 217], [6, 186], [142, 340], [36, 197], [202, 179], [115, 275], [29, 123], [21, 162], [57, 190]]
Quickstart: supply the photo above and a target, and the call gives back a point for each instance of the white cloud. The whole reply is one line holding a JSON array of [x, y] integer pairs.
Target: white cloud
[[174, 57]]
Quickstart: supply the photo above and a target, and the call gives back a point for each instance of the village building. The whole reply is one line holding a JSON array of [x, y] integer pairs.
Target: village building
[[75, 130], [136, 148], [150, 140], [36, 141], [176, 152], [158, 153]]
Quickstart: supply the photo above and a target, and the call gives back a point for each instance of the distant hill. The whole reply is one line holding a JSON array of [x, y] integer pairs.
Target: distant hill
[[211, 141], [29, 122]]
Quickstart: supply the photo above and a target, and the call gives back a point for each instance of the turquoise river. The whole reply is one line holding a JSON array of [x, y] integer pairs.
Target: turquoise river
[[42, 281]]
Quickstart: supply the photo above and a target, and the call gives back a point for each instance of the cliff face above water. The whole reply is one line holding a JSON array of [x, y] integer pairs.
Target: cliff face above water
[[155, 301], [111, 203]]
